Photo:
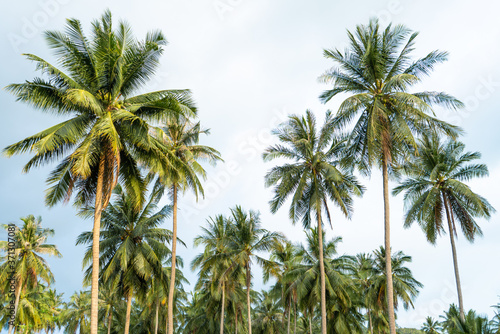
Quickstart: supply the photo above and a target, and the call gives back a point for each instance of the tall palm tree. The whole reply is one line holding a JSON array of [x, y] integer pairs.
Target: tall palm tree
[[377, 71], [312, 178], [29, 265], [180, 140], [436, 187], [246, 239], [107, 132], [132, 245], [431, 326]]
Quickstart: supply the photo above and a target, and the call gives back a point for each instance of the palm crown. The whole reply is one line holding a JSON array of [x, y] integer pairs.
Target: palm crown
[[377, 69]]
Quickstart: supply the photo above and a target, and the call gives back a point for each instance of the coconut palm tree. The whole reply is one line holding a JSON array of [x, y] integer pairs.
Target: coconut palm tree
[[363, 273], [246, 239], [341, 307], [107, 131], [268, 315], [132, 245], [436, 187], [377, 71], [406, 287], [29, 265], [283, 259], [431, 326], [76, 315], [311, 179], [214, 262], [180, 141]]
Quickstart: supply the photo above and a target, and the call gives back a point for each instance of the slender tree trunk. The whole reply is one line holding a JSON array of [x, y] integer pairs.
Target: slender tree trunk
[[109, 321], [94, 303], [222, 309], [289, 313], [295, 318], [129, 309], [170, 306], [236, 322], [156, 316], [166, 323], [455, 257], [370, 321], [310, 324], [388, 258], [16, 303], [248, 300], [322, 274]]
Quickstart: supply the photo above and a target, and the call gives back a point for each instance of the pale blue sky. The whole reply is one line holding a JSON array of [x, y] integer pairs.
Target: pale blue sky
[[250, 63]]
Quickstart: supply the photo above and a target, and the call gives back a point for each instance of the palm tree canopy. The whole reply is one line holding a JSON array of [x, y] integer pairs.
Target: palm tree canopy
[[30, 246], [377, 71], [106, 124], [439, 173], [180, 141], [314, 176], [131, 241]]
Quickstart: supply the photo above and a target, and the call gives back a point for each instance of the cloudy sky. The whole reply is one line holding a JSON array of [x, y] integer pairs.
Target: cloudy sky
[[250, 63]]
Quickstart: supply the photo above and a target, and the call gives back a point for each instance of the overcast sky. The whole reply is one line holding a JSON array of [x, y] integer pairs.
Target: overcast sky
[[250, 63]]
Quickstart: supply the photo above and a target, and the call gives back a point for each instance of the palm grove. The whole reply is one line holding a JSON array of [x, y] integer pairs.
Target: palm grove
[[118, 153]]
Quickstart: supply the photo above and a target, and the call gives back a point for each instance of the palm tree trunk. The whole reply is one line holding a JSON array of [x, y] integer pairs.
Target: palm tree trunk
[[322, 274], [248, 300], [310, 324], [129, 309], [295, 318], [109, 321], [166, 323], [289, 313], [94, 303], [455, 258], [236, 322], [387, 236], [222, 309], [370, 321], [156, 316], [170, 306], [16, 303]]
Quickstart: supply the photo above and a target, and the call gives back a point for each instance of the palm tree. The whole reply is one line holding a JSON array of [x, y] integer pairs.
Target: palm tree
[[312, 179], [306, 278], [214, 262], [282, 261], [107, 132], [362, 270], [431, 326], [132, 245], [180, 138], [29, 265], [436, 187], [246, 239], [76, 315], [268, 315], [377, 70], [406, 287]]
